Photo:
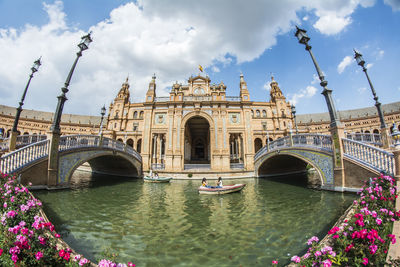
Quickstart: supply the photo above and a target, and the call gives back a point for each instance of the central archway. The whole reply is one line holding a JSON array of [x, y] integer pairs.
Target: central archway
[[197, 141]]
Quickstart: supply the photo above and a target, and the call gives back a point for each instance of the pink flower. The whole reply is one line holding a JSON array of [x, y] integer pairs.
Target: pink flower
[[38, 255], [295, 259], [365, 261], [373, 248], [378, 221], [1, 251], [317, 253], [83, 261], [130, 264], [273, 262], [311, 240], [327, 263]]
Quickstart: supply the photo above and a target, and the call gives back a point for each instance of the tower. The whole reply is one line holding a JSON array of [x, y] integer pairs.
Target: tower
[[151, 92], [244, 92]]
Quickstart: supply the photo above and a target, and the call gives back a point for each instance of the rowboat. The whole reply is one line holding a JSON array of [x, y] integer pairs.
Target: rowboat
[[149, 179], [226, 189]]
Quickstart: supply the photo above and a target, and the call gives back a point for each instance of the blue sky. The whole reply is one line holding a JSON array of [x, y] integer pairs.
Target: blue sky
[[171, 38]]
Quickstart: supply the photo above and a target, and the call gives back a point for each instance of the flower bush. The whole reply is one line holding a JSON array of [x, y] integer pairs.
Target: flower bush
[[26, 239], [364, 239]]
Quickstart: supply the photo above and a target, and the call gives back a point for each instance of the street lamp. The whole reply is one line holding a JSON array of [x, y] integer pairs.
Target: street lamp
[[303, 39], [293, 109], [83, 45], [34, 69], [14, 132], [103, 112], [52, 167], [361, 62]]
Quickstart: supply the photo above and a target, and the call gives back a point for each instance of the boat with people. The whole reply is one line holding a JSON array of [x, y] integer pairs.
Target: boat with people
[[149, 179], [226, 189]]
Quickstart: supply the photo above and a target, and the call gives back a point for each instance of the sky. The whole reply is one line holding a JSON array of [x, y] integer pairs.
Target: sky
[[172, 38]]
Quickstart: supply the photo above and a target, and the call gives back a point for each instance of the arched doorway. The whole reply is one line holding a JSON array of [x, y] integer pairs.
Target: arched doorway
[[129, 142], [197, 141], [257, 144], [139, 145]]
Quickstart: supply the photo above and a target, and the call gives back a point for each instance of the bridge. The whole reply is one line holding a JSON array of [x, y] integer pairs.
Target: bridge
[[362, 158], [104, 155]]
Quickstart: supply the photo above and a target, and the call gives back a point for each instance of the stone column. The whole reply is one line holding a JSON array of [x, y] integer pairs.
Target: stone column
[[396, 153], [12, 141], [240, 147], [337, 134], [385, 138], [52, 167]]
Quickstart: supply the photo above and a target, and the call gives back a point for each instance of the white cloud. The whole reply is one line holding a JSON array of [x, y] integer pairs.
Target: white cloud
[[215, 69], [305, 18], [395, 4], [347, 60], [169, 38], [380, 54], [316, 79], [308, 92], [369, 65], [362, 90]]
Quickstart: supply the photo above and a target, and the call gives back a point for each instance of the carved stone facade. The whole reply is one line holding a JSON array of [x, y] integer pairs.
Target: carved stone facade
[[198, 126]]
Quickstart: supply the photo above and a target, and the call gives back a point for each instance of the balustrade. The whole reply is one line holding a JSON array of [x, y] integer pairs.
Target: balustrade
[[374, 157], [17, 159], [371, 138]]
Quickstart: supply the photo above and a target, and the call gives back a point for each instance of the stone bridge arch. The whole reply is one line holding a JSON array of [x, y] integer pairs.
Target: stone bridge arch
[[294, 160], [103, 161]]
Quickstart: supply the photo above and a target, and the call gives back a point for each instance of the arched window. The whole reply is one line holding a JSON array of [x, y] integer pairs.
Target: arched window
[[139, 145], [135, 115], [264, 113], [257, 113], [257, 144], [129, 142], [141, 115]]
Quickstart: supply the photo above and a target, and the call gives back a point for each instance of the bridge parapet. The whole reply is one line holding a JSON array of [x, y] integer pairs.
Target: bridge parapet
[[22, 140], [17, 159], [316, 141], [371, 156], [29, 154]]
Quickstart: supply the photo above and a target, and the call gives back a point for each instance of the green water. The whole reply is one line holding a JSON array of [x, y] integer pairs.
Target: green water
[[172, 225]]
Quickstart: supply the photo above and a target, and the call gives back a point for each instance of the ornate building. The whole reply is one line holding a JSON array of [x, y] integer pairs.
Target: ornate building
[[198, 125]]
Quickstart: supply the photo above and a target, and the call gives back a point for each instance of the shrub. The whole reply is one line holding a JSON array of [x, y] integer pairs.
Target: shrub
[[26, 238]]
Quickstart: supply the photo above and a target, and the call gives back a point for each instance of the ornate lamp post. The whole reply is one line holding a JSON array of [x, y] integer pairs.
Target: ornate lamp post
[[14, 132], [103, 112], [303, 39], [83, 45], [337, 131], [55, 130], [293, 109], [384, 132]]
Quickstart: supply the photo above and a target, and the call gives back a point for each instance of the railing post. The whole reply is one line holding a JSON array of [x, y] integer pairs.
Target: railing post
[[396, 152], [337, 133], [52, 167], [12, 142], [290, 138]]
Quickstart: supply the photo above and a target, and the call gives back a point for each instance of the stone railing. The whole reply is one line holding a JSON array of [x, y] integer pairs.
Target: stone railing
[[319, 141], [78, 141], [17, 159], [370, 138], [197, 98], [161, 99], [233, 98], [4, 144], [373, 157]]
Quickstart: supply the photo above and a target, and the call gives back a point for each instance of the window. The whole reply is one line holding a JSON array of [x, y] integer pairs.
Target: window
[[258, 113], [141, 115], [264, 113], [135, 115]]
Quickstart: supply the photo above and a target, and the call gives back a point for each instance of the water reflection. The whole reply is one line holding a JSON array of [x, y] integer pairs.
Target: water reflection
[[171, 224]]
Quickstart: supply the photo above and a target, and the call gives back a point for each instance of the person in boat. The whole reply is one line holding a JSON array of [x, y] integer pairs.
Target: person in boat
[[204, 182], [219, 182], [156, 175]]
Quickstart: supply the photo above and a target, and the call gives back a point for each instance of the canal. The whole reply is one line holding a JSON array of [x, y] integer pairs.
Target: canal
[[172, 225]]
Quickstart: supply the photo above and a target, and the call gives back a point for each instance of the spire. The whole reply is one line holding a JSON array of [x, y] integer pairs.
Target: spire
[[244, 93], [151, 92], [275, 90]]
